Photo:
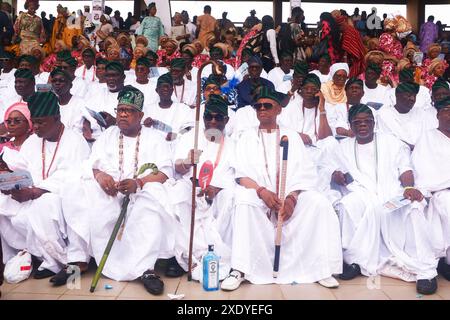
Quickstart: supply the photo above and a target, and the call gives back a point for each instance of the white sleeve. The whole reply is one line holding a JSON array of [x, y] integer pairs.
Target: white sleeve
[[272, 38]]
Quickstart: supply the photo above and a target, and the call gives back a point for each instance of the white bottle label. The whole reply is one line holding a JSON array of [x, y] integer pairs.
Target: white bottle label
[[213, 277]]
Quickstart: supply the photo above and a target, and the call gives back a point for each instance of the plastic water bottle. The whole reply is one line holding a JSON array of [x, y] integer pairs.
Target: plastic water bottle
[[211, 270]]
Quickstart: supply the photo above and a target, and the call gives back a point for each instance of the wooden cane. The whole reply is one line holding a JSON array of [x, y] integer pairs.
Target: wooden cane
[[194, 169], [284, 143]]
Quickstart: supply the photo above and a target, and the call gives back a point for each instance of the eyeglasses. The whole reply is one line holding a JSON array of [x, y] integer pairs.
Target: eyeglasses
[[218, 117], [14, 121], [361, 122], [126, 111], [266, 105]]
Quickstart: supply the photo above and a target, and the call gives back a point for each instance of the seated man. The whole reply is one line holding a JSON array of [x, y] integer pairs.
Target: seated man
[[375, 240], [431, 163], [307, 216], [116, 169], [307, 116], [402, 120], [31, 218], [375, 95], [246, 88], [173, 117], [214, 205]]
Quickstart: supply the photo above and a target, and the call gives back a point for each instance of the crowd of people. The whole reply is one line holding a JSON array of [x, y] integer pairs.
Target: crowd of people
[[105, 115]]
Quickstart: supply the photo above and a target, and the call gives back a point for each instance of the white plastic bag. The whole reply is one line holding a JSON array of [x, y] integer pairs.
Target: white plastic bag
[[18, 268]]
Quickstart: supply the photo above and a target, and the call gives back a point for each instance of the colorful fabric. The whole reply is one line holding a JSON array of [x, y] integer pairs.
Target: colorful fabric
[[130, 96], [43, 104]]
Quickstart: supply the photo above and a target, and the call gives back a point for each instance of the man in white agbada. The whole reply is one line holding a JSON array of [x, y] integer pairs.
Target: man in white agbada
[[375, 95], [390, 240], [313, 220], [30, 62], [31, 218], [293, 86], [87, 71], [284, 72], [402, 120], [307, 116], [323, 68], [337, 114], [172, 118], [184, 90], [104, 99], [72, 108], [24, 88], [214, 202], [423, 99], [68, 63], [431, 161], [114, 171], [142, 82]]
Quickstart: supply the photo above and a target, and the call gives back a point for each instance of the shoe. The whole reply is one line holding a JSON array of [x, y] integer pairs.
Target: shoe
[[232, 281], [43, 273], [425, 286], [174, 270], [350, 271], [152, 283], [329, 282], [62, 276], [444, 269]]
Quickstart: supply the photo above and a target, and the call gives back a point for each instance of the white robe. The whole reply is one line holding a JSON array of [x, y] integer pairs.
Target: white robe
[[378, 95], [310, 243], [148, 233], [376, 240], [213, 223], [430, 159], [79, 87], [292, 117], [407, 127], [87, 75], [423, 98], [73, 114], [189, 96], [277, 76], [38, 225], [323, 77], [230, 73]]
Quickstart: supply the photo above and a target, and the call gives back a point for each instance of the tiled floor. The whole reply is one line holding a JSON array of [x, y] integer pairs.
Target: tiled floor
[[359, 288]]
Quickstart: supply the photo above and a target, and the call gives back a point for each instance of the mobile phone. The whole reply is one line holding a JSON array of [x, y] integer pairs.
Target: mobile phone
[[44, 87], [348, 178]]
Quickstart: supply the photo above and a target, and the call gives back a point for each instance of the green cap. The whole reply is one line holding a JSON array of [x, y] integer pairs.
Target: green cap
[[24, 74], [301, 67], [358, 108], [354, 80], [312, 78], [411, 87], [269, 93], [130, 96], [115, 66], [216, 104], [144, 62], [43, 104], [165, 78], [178, 63]]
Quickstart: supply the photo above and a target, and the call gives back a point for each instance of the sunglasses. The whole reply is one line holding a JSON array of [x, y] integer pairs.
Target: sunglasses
[[266, 105], [210, 117], [14, 121]]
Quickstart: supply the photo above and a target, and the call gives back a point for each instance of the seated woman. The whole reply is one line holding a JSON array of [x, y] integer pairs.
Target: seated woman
[[18, 124]]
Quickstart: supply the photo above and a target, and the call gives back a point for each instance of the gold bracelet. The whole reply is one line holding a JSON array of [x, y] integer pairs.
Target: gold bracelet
[[408, 188]]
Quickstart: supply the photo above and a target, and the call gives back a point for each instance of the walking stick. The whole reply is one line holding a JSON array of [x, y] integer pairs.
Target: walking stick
[[116, 229], [194, 169], [276, 263]]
